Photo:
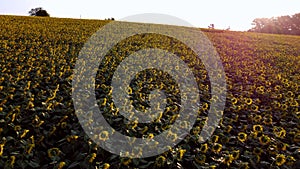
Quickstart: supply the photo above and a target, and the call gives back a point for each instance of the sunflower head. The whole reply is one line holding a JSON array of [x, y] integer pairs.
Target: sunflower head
[[204, 148], [104, 135], [160, 161], [280, 159], [217, 148], [106, 166], [248, 101], [196, 130], [53, 152], [215, 138], [228, 159], [279, 132], [228, 128], [264, 140], [268, 121], [181, 153], [236, 154], [257, 118], [242, 137], [126, 161], [257, 128]]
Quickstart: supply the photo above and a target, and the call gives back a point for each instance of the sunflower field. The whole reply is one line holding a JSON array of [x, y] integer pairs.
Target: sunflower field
[[260, 127]]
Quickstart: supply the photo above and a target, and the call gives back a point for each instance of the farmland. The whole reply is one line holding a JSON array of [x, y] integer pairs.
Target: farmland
[[260, 126]]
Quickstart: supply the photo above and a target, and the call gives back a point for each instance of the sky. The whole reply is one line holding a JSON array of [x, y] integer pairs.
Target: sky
[[236, 14]]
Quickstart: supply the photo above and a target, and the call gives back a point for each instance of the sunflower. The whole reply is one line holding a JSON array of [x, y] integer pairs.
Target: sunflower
[[196, 130], [30, 148], [212, 167], [284, 106], [244, 127], [61, 165], [215, 138], [126, 161], [72, 138], [297, 114], [217, 148], [279, 132], [277, 87], [254, 135], [160, 161], [205, 106], [204, 148], [260, 90], [279, 96], [1, 149], [294, 103], [280, 159], [181, 153], [234, 100], [290, 94], [24, 133], [104, 135], [277, 105], [17, 128], [63, 125], [242, 137], [92, 157], [228, 159], [228, 128], [150, 136], [267, 121], [172, 136], [12, 161], [145, 129], [53, 152], [248, 101], [254, 107], [257, 128], [106, 166], [264, 140], [257, 118], [236, 154]]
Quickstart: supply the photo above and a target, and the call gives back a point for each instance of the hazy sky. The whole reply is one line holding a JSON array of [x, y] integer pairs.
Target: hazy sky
[[238, 14]]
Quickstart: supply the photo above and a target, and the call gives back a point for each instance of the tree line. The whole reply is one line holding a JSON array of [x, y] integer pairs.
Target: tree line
[[287, 24]]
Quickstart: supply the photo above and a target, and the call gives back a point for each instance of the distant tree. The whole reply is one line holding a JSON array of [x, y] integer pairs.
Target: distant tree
[[109, 19], [277, 25], [38, 12], [296, 24], [211, 26]]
